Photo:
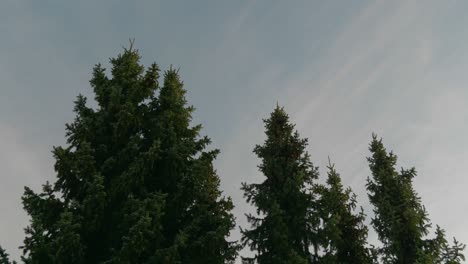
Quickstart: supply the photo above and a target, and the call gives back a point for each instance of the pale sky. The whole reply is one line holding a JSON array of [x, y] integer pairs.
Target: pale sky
[[342, 69]]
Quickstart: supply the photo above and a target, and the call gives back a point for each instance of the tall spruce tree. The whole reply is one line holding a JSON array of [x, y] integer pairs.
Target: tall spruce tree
[[400, 220], [135, 184], [343, 233], [284, 229]]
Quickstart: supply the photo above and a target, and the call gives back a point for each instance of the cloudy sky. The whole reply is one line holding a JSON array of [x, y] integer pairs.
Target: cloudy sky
[[342, 69]]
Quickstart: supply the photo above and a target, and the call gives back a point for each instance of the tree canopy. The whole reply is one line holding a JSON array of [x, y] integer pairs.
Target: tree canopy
[[135, 183], [401, 220], [284, 229], [343, 233]]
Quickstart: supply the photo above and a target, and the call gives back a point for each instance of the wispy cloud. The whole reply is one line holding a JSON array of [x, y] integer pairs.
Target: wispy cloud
[[374, 75], [342, 71]]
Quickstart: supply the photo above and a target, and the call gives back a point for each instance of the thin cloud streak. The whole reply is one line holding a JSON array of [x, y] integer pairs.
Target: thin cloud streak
[[388, 50], [397, 68]]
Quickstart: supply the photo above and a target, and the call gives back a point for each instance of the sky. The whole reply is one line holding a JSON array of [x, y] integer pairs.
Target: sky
[[341, 69]]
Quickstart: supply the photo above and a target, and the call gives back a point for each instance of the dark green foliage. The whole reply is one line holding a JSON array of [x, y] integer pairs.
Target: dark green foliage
[[4, 259], [283, 231], [453, 254], [135, 184], [438, 250], [343, 234], [400, 220]]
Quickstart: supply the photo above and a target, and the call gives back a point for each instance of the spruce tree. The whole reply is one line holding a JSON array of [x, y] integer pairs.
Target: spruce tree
[[400, 220], [284, 228], [343, 233], [135, 183], [197, 220]]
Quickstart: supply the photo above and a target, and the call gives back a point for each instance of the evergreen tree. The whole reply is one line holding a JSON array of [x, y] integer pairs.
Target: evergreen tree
[[400, 220], [285, 227], [344, 232], [135, 184], [196, 219]]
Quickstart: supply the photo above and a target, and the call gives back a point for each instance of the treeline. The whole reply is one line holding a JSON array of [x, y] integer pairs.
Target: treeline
[[136, 184]]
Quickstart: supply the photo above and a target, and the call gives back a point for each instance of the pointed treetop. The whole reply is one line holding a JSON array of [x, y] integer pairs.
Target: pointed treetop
[[330, 165], [334, 178], [130, 48]]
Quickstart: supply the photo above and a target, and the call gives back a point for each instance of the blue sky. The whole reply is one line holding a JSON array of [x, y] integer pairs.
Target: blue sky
[[342, 69]]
